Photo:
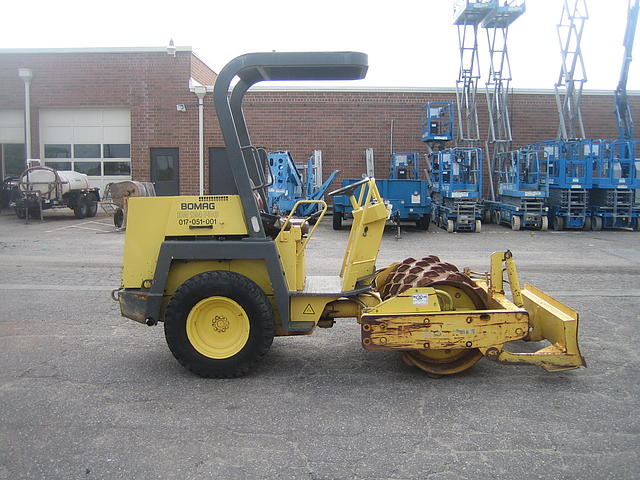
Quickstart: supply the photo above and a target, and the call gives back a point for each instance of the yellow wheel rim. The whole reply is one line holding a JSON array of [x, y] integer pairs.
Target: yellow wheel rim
[[218, 327]]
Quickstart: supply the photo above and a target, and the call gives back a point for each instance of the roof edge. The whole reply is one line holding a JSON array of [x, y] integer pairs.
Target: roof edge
[[92, 50]]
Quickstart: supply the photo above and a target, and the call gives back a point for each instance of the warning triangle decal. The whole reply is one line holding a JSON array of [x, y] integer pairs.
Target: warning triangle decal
[[308, 310]]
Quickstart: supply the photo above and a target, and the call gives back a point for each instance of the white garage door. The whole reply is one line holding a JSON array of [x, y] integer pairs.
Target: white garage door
[[95, 141]]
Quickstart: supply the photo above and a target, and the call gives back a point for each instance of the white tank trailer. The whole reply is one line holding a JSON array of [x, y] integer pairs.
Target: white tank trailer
[[42, 188]]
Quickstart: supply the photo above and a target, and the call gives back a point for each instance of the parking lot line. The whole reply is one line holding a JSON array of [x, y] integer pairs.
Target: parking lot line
[[80, 226]]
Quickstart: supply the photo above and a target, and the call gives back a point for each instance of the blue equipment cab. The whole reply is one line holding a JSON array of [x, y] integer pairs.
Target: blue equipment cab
[[523, 189], [289, 186], [456, 188], [437, 122], [615, 179], [404, 192]]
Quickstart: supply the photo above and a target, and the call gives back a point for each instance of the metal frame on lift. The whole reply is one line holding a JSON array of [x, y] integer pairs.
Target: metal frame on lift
[[568, 89], [467, 17], [496, 24]]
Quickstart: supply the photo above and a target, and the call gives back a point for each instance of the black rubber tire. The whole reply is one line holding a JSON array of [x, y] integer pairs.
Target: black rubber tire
[[337, 220], [92, 205], [118, 218], [635, 224], [596, 223], [224, 284], [558, 223], [423, 222], [81, 208], [21, 213]]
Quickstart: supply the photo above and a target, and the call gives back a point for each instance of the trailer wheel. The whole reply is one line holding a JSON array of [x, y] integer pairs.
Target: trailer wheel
[[337, 220], [21, 213], [515, 223], [92, 205], [478, 226], [118, 218], [486, 216], [81, 208], [596, 223], [635, 225], [219, 324], [496, 217]]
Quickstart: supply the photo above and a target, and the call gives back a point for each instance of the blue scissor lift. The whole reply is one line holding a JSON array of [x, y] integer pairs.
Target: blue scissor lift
[[456, 188], [569, 181], [290, 185], [615, 178], [523, 189]]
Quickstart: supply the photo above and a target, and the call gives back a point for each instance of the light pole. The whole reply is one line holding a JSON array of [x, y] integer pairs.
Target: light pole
[[200, 91], [26, 75]]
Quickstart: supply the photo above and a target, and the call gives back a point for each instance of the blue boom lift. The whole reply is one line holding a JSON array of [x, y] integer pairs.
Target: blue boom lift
[[406, 194], [290, 185], [615, 166]]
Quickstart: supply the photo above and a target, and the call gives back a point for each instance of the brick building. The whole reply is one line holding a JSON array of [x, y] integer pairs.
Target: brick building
[[133, 113]]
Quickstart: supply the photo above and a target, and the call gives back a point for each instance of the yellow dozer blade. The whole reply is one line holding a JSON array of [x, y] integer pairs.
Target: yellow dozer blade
[[549, 320]]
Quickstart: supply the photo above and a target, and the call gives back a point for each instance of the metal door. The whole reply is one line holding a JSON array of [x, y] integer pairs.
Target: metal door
[[164, 171]]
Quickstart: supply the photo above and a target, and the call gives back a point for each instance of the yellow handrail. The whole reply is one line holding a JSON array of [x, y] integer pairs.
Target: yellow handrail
[[313, 229]]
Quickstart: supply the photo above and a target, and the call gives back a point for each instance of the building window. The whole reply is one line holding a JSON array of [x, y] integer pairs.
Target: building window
[[117, 150], [52, 150], [86, 151], [117, 168], [88, 168], [103, 153], [59, 165]]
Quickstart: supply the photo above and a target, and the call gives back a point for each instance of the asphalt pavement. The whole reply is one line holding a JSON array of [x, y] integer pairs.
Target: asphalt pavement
[[85, 393]]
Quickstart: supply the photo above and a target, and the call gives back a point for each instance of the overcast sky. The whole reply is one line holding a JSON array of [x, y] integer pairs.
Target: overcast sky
[[409, 43]]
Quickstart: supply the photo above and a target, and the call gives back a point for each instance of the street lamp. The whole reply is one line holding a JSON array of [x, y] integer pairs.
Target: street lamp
[[26, 75]]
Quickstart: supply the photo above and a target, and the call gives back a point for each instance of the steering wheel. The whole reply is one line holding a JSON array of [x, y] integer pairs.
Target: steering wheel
[[349, 188]]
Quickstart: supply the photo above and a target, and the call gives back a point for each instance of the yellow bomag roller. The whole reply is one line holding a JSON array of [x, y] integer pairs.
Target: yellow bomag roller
[[225, 277]]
